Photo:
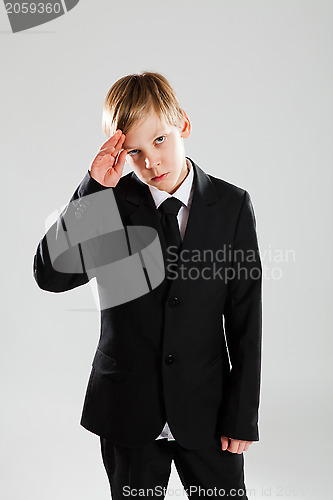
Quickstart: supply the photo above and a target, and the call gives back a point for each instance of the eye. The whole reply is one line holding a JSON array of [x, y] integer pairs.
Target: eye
[[132, 153]]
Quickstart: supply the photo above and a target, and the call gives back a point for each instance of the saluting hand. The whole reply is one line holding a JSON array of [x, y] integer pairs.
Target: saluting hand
[[107, 166]]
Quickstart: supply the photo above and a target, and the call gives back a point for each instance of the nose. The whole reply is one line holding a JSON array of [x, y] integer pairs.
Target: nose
[[151, 161]]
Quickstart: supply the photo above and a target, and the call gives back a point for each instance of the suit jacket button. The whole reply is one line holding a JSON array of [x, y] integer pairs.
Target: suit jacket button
[[173, 301], [169, 359]]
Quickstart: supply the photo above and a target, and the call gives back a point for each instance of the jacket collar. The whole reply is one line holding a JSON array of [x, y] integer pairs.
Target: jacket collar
[[138, 192]]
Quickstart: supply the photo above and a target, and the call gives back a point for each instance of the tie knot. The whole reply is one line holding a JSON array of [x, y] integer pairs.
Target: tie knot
[[170, 206]]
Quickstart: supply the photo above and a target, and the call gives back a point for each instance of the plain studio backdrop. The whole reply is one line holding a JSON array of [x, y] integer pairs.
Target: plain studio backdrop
[[255, 78]]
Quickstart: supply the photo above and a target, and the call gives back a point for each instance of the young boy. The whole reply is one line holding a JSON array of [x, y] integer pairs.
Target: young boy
[[176, 374]]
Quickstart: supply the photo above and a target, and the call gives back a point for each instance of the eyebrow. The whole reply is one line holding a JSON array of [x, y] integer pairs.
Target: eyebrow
[[157, 132]]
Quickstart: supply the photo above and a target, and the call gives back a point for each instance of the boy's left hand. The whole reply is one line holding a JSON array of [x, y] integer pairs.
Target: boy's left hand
[[235, 445]]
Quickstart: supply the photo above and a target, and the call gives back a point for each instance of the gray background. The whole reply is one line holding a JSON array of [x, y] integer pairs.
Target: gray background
[[255, 78]]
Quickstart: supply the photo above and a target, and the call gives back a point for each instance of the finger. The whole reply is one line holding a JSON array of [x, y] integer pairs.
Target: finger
[[241, 447], [112, 141], [106, 150], [224, 442], [117, 148], [104, 159], [112, 151], [119, 144], [233, 447], [247, 445], [119, 165]]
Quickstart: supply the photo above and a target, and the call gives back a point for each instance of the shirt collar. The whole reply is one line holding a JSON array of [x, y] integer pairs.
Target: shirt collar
[[182, 193]]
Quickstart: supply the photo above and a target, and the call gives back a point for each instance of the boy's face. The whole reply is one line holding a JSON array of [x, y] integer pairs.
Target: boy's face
[[155, 148]]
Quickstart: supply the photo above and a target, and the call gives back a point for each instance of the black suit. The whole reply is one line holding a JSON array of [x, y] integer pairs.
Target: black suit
[[163, 356]]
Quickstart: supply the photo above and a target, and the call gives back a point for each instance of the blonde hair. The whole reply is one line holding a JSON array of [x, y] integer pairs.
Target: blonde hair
[[131, 98]]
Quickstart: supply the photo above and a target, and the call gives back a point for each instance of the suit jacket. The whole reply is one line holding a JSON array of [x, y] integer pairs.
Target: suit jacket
[[188, 351]]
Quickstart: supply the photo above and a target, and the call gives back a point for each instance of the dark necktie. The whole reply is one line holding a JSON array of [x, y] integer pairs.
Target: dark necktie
[[169, 209]]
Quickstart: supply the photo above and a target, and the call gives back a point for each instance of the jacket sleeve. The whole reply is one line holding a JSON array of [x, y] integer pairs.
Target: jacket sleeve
[[243, 330], [61, 256]]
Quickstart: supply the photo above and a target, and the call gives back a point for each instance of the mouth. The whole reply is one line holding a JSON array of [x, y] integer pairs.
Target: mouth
[[159, 177]]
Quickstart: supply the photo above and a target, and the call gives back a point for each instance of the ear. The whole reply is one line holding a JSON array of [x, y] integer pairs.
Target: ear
[[185, 126]]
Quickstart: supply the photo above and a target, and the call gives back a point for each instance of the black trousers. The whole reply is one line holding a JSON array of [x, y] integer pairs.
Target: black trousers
[[144, 472]]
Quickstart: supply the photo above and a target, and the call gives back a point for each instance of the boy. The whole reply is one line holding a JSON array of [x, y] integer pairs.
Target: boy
[[176, 374]]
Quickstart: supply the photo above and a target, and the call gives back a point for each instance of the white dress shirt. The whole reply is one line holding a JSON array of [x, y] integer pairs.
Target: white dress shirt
[[184, 194]]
